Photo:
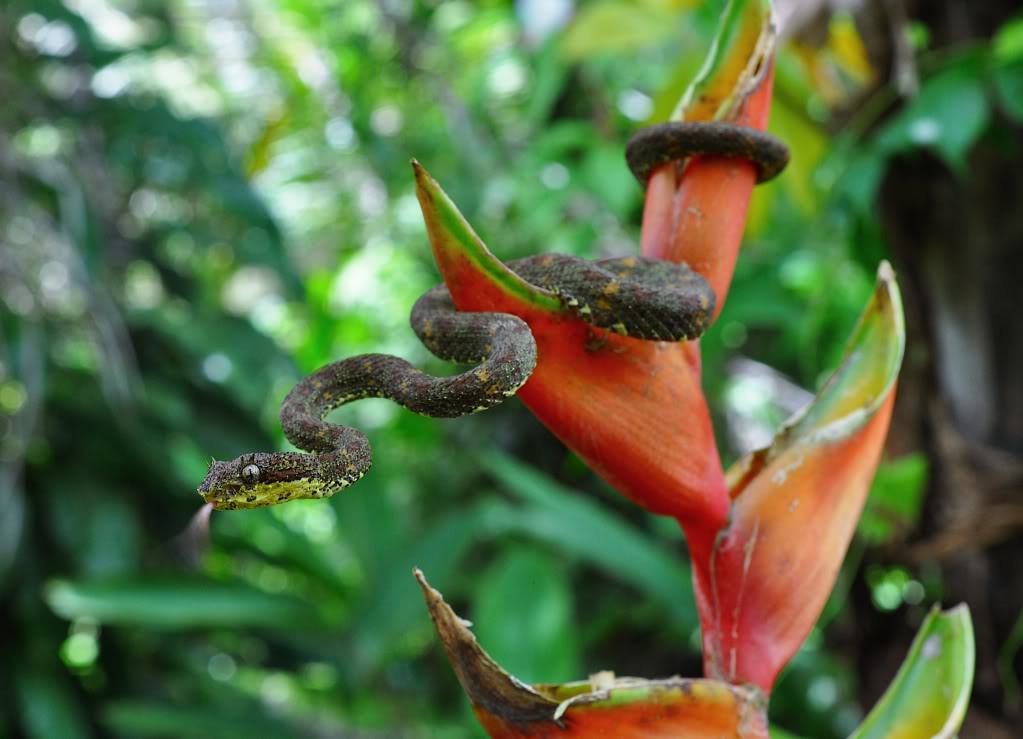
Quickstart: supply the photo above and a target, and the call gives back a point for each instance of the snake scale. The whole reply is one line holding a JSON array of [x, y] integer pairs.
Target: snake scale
[[635, 296]]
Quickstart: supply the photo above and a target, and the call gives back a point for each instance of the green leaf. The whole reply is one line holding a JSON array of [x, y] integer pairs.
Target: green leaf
[[690, 58], [48, 706], [861, 179], [616, 26], [605, 173], [390, 612], [524, 614], [580, 527], [176, 603], [777, 733], [789, 123], [142, 718], [895, 498], [1007, 654], [930, 693], [1008, 82], [250, 360], [99, 531], [1008, 41], [948, 115], [548, 83]]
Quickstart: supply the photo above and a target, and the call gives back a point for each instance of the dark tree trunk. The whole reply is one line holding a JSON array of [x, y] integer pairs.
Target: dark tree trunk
[[957, 243]]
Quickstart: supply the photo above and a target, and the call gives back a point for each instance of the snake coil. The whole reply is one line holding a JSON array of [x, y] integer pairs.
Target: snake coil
[[635, 296]]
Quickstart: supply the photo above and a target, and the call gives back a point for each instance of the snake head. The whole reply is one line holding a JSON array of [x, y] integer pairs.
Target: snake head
[[266, 478]]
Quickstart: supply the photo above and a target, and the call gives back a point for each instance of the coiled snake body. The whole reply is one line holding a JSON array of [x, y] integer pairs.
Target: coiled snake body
[[635, 296]]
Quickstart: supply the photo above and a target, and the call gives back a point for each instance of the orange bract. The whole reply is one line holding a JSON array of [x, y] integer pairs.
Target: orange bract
[[795, 507]]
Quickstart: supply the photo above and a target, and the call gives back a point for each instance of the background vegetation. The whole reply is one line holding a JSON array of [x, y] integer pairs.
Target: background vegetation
[[203, 200]]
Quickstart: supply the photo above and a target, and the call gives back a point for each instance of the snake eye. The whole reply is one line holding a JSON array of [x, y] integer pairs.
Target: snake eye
[[250, 474]]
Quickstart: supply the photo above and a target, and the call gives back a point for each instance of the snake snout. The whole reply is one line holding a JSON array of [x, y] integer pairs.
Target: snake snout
[[204, 486], [219, 483]]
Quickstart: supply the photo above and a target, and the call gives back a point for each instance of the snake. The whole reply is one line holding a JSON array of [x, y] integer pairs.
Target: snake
[[638, 297]]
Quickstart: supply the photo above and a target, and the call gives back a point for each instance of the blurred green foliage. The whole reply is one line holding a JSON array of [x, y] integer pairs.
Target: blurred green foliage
[[203, 200]]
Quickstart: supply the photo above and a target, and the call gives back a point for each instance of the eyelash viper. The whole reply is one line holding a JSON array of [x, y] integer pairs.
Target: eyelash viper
[[635, 296]]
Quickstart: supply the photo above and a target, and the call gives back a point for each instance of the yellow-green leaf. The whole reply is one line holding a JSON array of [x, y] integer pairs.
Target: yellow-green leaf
[[741, 56], [616, 26], [929, 695], [176, 602]]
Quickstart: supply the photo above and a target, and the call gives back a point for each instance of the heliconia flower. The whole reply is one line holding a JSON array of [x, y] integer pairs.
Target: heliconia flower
[[767, 539]]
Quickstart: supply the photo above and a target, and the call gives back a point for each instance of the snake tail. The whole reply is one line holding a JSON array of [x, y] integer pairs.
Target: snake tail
[[663, 143]]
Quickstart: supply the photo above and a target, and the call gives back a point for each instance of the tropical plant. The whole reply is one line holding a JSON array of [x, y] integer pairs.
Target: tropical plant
[[767, 538], [200, 202]]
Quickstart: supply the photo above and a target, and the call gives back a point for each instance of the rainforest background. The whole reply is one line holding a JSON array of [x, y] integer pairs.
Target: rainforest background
[[203, 200]]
